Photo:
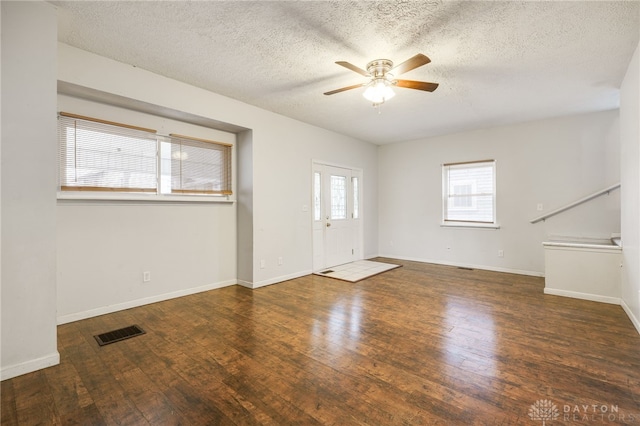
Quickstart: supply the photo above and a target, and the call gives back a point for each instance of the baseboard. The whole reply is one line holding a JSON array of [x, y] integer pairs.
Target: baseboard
[[466, 265], [276, 280], [30, 366], [64, 319], [583, 296], [634, 320], [244, 283]]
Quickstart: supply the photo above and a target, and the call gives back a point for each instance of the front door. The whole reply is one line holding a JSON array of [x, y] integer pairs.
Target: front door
[[336, 215]]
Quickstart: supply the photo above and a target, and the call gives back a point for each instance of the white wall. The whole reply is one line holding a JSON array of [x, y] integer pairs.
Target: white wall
[[552, 162], [104, 246], [282, 150], [630, 179], [29, 32], [282, 185]]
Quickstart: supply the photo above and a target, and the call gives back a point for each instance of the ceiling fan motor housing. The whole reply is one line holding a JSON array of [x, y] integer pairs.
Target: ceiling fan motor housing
[[379, 67]]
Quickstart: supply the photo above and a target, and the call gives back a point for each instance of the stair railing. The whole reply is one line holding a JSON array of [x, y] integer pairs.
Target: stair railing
[[576, 203]]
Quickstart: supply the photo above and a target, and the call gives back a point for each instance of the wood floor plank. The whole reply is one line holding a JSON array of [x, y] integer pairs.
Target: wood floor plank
[[8, 410], [419, 345], [67, 388], [96, 371], [199, 371], [34, 400]]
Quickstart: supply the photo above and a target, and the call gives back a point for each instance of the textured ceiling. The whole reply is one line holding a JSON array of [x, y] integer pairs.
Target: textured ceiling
[[496, 62]]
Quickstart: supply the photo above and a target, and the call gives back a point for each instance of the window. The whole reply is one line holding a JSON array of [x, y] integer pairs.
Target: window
[[468, 192], [338, 190], [97, 155], [199, 166], [463, 191], [356, 198], [317, 207]]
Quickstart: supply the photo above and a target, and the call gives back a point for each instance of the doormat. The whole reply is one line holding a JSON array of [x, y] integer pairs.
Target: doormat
[[357, 271], [119, 334]]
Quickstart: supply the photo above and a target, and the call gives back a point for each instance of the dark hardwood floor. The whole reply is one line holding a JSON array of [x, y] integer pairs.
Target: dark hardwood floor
[[422, 344]]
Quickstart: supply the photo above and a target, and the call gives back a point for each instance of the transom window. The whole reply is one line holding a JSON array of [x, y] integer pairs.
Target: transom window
[[468, 192], [97, 155]]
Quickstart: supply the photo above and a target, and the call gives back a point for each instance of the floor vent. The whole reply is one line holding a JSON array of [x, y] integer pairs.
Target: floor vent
[[328, 271], [466, 269], [118, 335]]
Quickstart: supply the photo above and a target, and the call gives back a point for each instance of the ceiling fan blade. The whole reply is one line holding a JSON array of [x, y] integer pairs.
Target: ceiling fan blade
[[353, 68], [419, 85], [411, 63], [355, 86]]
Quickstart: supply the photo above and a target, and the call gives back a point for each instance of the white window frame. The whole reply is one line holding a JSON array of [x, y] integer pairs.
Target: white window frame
[[493, 224], [158, 194]]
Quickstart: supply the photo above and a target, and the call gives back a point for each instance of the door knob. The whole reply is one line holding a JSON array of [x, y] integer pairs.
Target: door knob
[[328, 224]]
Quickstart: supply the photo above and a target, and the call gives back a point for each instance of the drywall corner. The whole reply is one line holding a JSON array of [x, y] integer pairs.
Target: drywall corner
[[244, 154]]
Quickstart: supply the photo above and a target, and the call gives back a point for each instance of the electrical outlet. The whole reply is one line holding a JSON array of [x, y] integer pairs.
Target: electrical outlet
[[263, 263], [146, 276], [539, 207], [500, 253], [280, 261]]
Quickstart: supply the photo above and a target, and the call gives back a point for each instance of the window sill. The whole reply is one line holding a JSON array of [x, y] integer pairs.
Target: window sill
[[153, 198], [469, 225]]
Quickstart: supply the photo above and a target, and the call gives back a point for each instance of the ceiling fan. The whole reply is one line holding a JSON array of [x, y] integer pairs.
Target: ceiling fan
[[382, 74]]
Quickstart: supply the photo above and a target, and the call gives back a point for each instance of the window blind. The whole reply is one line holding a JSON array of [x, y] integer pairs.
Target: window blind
[[200, 166], [97, 155], [469, 192]]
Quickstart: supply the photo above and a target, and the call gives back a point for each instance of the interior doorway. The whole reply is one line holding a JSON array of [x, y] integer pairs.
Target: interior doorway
[[337, 215]]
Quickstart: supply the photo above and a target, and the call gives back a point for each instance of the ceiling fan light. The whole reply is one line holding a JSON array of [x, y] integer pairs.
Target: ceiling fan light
[[378, 91]]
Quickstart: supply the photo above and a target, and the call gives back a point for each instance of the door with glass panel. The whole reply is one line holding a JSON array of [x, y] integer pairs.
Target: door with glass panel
[[336, 216]]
